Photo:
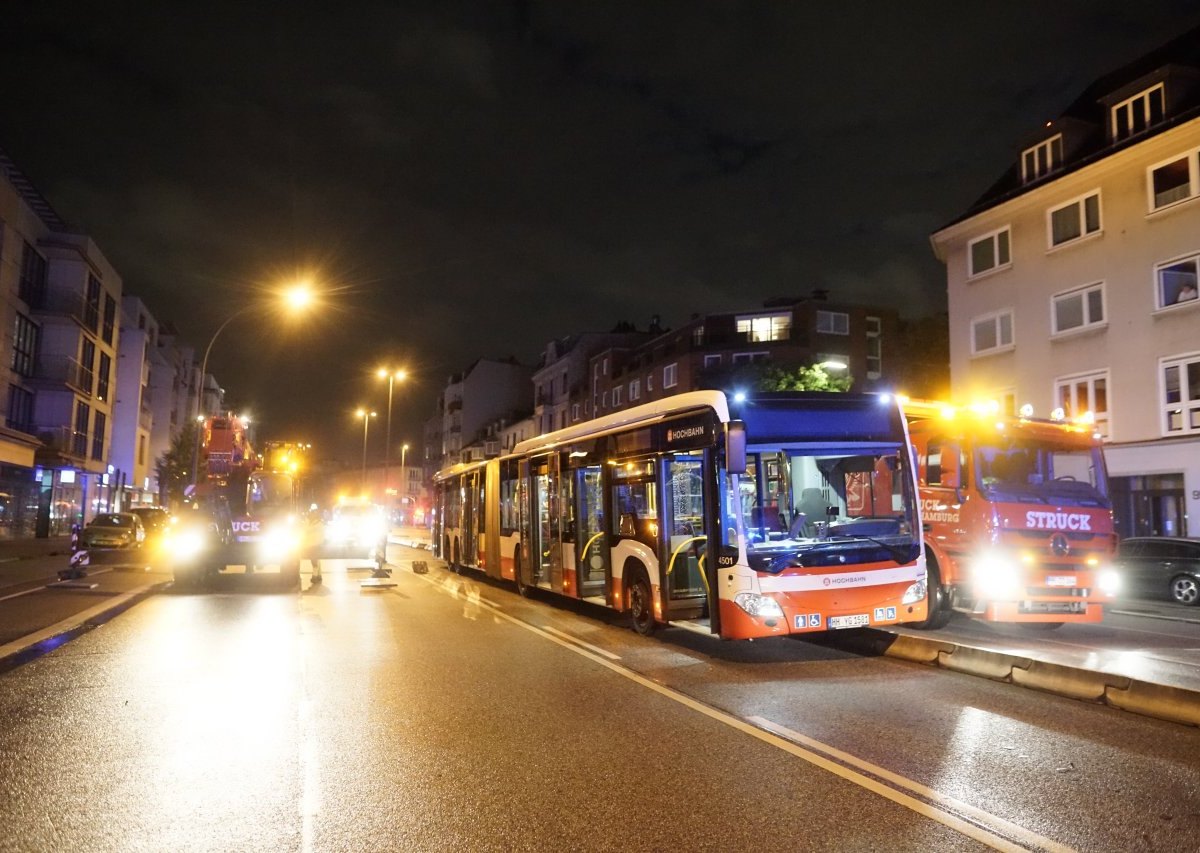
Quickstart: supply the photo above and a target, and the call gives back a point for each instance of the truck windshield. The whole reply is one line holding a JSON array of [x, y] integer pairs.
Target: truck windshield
[[1015, 468], [803, 509], [269, 493]]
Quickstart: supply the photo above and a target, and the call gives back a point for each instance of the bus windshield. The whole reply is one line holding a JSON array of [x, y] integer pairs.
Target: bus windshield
[[805, 509], [1014, 468]]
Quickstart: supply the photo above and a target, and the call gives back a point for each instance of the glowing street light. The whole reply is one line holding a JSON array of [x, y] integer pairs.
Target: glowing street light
[[296, 299], [391, 376], [366, 419]]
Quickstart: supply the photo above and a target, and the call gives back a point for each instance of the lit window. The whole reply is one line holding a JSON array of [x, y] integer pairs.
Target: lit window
[[1085, 393], [1176, 282], [1042, 158], [669, 376], [833, 322], [992, 333], [1172, 182], [1181, 394], [1135, 114], [1075, 219], [1078, 308], [988, 253], [767, 327]]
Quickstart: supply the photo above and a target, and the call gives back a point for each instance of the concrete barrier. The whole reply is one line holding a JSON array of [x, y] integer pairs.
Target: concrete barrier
[[1067, 681], [994, 665], [1160, 701]]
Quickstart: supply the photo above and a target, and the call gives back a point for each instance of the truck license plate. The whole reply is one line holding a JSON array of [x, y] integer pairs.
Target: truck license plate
[[1060, 580], [858, 620]]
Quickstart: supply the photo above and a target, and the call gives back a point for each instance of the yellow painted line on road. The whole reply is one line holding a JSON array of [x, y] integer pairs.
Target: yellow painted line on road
[[984, 834], [71, 622]]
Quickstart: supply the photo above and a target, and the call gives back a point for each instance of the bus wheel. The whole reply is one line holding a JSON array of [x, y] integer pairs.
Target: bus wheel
[[522, 588], [641, 603], [939, 605], [456, 566]]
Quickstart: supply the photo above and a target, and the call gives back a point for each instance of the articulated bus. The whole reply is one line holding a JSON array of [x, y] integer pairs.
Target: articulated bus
[[794, 513]]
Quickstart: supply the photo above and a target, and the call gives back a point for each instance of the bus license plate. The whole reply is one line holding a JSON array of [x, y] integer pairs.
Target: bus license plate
[[859, 620]]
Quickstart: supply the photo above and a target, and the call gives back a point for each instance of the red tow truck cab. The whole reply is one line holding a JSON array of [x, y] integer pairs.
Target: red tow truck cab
[[1016, 513]]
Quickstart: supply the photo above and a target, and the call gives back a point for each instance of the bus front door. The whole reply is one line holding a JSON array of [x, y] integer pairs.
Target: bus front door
[[592, 564], [685, 542]]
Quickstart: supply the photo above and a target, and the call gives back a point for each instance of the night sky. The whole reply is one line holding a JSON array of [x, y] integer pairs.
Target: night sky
[[467, 178]]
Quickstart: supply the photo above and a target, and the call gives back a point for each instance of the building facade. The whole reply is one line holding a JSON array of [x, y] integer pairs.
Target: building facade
[[1072, 282]]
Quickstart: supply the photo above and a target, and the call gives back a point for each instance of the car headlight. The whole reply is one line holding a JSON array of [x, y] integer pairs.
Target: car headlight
[[996, 576], [914, 593], [758, 605], [1109, 581]]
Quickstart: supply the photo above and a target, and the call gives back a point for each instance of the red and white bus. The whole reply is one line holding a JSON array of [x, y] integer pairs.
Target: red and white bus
[[794, 513]]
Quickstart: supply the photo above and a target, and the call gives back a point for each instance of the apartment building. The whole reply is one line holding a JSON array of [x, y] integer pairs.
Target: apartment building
[[1072, 281], [133, 413], [487, 390], [563, 371]]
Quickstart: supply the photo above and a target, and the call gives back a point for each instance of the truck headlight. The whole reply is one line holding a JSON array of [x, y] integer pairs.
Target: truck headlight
[[1109, 581], [758, 605], [997, 576], [915, 593], [276, 543], [187, 544]]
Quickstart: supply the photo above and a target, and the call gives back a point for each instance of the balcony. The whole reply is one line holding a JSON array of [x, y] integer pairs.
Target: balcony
[[61, 370], [64, 440], [65, 303]]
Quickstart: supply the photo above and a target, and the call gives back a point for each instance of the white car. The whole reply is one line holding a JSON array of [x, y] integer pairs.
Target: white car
[[359, 529]]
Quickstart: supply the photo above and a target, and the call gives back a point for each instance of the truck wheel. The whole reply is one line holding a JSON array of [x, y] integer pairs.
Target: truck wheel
[[939, 602]]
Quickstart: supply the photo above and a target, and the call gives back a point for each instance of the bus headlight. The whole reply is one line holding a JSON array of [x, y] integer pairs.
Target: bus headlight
[[758, 605], [914, 593], [1109, 581], [997, 576]]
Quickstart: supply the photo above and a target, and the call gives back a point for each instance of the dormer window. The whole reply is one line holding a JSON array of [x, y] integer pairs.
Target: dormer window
[[1042, 158], [1135, 114]]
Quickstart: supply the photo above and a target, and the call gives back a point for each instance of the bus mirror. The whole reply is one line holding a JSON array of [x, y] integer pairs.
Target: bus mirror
[[735, 447]]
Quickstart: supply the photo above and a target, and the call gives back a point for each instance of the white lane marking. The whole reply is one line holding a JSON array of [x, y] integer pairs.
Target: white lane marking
[[70, 622], [48, 586], [589, 646], [987, 819], [981, 834]]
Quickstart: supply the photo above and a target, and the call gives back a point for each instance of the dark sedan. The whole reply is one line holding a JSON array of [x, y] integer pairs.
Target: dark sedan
[[1160, 565]]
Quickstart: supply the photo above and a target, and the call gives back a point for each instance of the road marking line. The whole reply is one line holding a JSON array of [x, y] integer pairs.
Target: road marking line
[[589, 646], [50, 585], [982, 834], [71, 622]]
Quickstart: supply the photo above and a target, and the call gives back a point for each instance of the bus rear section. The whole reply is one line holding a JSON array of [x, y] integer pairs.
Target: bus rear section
[[1017, 516], [826, 515]]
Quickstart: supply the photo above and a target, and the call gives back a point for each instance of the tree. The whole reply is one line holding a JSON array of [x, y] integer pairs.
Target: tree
[[174, 468], [775, 377]]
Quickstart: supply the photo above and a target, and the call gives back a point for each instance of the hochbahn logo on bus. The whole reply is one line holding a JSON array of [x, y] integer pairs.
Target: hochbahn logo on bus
[[685, 432]]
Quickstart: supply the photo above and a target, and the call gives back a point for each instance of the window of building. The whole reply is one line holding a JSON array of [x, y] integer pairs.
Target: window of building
[[141, 450], [1181, 394], [87, 364], [604, 368], [649, 382], [110, 318], [1078, 308], [83, 414], [562, 419], [992, 333], [618, 395], [988, 253], [874, 347], [1176, 281], [1007, 398], [20, 409], [575, 410], [1085, 393], [1075, 219], [25, 337], [635, 390], [669, 371], [765, 327], [98, 435], [1042, 158], [102, 373], [1135, 114], [712, 361], [604, 400], [32, 286], [1172, 181], [698, 336], [91, 308], [833, 322], [562, 385], [749, 357]]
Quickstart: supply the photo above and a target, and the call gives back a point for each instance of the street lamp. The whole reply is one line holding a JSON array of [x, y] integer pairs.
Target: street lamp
[[366, 419], [391, 376], [403, 475], [296, 299]]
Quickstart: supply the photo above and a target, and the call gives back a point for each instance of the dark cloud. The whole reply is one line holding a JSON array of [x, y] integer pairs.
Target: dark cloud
[[475, 178]]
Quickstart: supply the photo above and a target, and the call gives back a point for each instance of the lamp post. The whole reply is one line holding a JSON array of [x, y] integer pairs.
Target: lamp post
[[366, 419], [391, 376], [403, 476], [296, 299]]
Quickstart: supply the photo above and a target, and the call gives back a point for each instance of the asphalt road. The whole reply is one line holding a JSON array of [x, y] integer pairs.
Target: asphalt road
[[448, 713]]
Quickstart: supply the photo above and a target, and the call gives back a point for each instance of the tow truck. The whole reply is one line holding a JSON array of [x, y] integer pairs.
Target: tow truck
[[1017, 518]]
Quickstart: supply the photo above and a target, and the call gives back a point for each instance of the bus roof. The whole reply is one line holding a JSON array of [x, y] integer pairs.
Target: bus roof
[[646, 413]]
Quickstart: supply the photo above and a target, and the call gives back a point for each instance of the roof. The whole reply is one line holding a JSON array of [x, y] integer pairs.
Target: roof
[[29, 193]]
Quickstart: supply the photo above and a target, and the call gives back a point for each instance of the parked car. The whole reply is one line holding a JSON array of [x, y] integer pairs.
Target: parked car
[[114, 537], [157, 522], [1161, 565]]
